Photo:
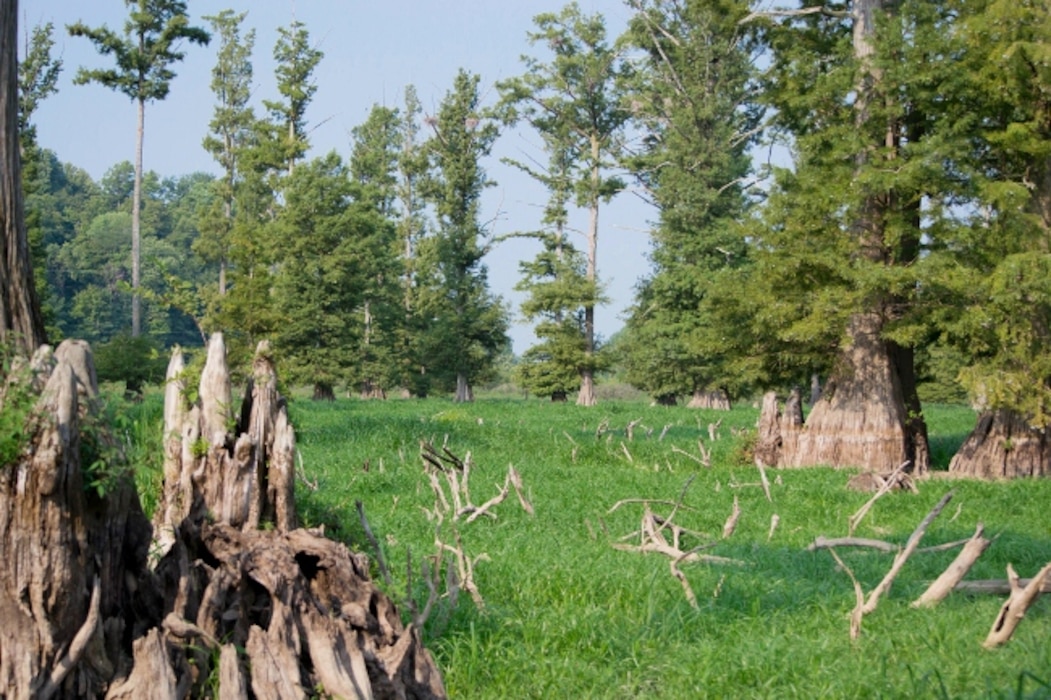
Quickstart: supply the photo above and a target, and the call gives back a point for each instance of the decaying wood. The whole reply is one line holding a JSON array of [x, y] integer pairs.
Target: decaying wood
[[997, 586], [457, 473], [822, 542], [717, 400], [280, 612], [888, 484], [901, 557], [1003, 446], [731, 522], [955, 572], [1013, 609]]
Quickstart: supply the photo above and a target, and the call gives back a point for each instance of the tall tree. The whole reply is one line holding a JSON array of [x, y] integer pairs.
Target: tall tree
[[694, 95], [577, 92], [21, 321], [230, 132], [296, 60], [144, 54], [469, 325], [838, 266]]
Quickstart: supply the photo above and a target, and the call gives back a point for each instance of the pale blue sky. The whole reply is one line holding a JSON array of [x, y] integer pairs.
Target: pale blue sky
[[372, 51]]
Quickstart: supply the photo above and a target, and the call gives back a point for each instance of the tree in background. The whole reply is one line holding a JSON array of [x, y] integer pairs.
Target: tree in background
[[296, 60], [693, 96], [230, 134], [373, 174], [468, 326], [577, 94], [144, 54]]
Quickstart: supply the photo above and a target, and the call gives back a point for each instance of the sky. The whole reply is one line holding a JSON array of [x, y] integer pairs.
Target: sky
[[373, 50]]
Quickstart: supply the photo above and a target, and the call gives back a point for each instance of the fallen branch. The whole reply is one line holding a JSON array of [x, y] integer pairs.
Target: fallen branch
[[903, 555], [1013, 609], [856, 519], [955, 572], [731, 522], [775, 519], [997, 586], [858, 613], [823, 542], [701, 460]]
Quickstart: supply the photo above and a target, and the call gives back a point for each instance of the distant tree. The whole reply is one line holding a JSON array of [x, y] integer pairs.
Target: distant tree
[[296, 60], [693, 166], [468, 325], [373, 174], [144, 55], [21, 321], [331, 247], [577, 94], [229, 135]]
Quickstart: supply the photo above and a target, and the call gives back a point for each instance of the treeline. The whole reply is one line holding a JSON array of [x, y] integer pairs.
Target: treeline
[[900, 240]]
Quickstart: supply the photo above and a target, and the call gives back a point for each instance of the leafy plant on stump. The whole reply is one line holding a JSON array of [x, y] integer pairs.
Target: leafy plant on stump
[[144, 55], [694, 167], [576, 96]]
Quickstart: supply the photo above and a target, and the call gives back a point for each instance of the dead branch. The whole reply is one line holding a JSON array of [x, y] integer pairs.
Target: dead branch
[[704, 460], [664, 432], [775, 519], [380, 560], [1013, 609], [855, 519], [997, 586], [731, 522], [763, 480], [823, 542], [903, 555], [713, 430], [857, 614], [677, 573], [626, 453], [629, 430], [817, 9], [955, 572]]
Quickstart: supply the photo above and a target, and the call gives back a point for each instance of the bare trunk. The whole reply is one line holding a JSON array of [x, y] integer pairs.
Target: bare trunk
[[21, 322], [323, 391], [1003, 446], [586, 395], [464, 393], [716, 399], [136, 222]]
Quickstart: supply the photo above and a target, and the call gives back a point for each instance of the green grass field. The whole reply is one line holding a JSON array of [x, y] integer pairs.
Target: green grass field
[[568, 616]]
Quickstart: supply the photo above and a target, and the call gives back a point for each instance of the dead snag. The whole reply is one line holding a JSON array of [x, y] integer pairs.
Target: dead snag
[[955, 572], [457, 474], [903, 555], [1013, 609]]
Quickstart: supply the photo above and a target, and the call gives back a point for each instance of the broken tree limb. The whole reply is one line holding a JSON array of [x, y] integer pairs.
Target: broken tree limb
[[856, 519], [1013, 609], [857, 614], [997, 586], [823, 542], [903, 555], [955, 572], [731, 522]]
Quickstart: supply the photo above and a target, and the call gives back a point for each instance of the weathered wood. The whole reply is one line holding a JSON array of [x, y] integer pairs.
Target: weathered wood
[[946, 583], [1003, 446], [716, 400], [1013, 609], [997, 586]]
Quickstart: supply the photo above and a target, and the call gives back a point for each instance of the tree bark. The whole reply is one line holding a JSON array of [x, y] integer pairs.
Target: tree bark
[[716, 399], [21, 322], [464, 393], [1003, 446], [586, 395], [136, 223]]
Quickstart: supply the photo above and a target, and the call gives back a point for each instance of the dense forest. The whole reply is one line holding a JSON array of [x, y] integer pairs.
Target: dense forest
[[899, 253]]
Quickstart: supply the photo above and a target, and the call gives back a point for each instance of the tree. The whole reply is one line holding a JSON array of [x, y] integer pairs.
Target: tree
[[296, 60], [576, 94], [21, 321], [143, 55], [694, 96], [469, 326], [230, 134], [373, 174], [838, 268]]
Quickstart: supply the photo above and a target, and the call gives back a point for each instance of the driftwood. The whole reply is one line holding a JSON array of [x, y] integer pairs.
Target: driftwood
[[457, 474], [997, 586], [270, 613], [947, 582], [731, 522], [1013, 609]]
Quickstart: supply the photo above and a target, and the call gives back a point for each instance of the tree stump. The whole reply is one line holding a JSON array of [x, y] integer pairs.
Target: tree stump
[[716, 399], [225, 607], [1003, 446]]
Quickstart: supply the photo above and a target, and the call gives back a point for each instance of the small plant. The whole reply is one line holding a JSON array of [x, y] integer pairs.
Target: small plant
[[16, 405]]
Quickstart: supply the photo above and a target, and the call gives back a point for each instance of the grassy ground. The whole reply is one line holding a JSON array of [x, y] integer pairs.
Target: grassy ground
[[568, 616]]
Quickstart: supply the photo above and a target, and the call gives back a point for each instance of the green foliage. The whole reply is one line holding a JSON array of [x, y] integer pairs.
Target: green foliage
[[136, 362], [16, 405]]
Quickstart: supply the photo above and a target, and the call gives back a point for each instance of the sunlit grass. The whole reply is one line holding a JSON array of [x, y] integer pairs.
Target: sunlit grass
[[568, 616]]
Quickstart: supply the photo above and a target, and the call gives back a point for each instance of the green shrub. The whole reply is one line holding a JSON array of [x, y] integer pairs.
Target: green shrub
[[134, 361]]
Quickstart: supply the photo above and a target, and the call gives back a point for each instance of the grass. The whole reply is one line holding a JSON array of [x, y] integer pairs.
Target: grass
[[568, 616]]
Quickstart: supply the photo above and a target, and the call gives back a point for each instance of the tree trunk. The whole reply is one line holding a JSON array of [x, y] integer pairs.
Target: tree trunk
[[586, 395], [464, 393], [666, 400], [323, 391], [21, 323], [717, 400], [136, 223], [558, 396], [1003, 446]]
